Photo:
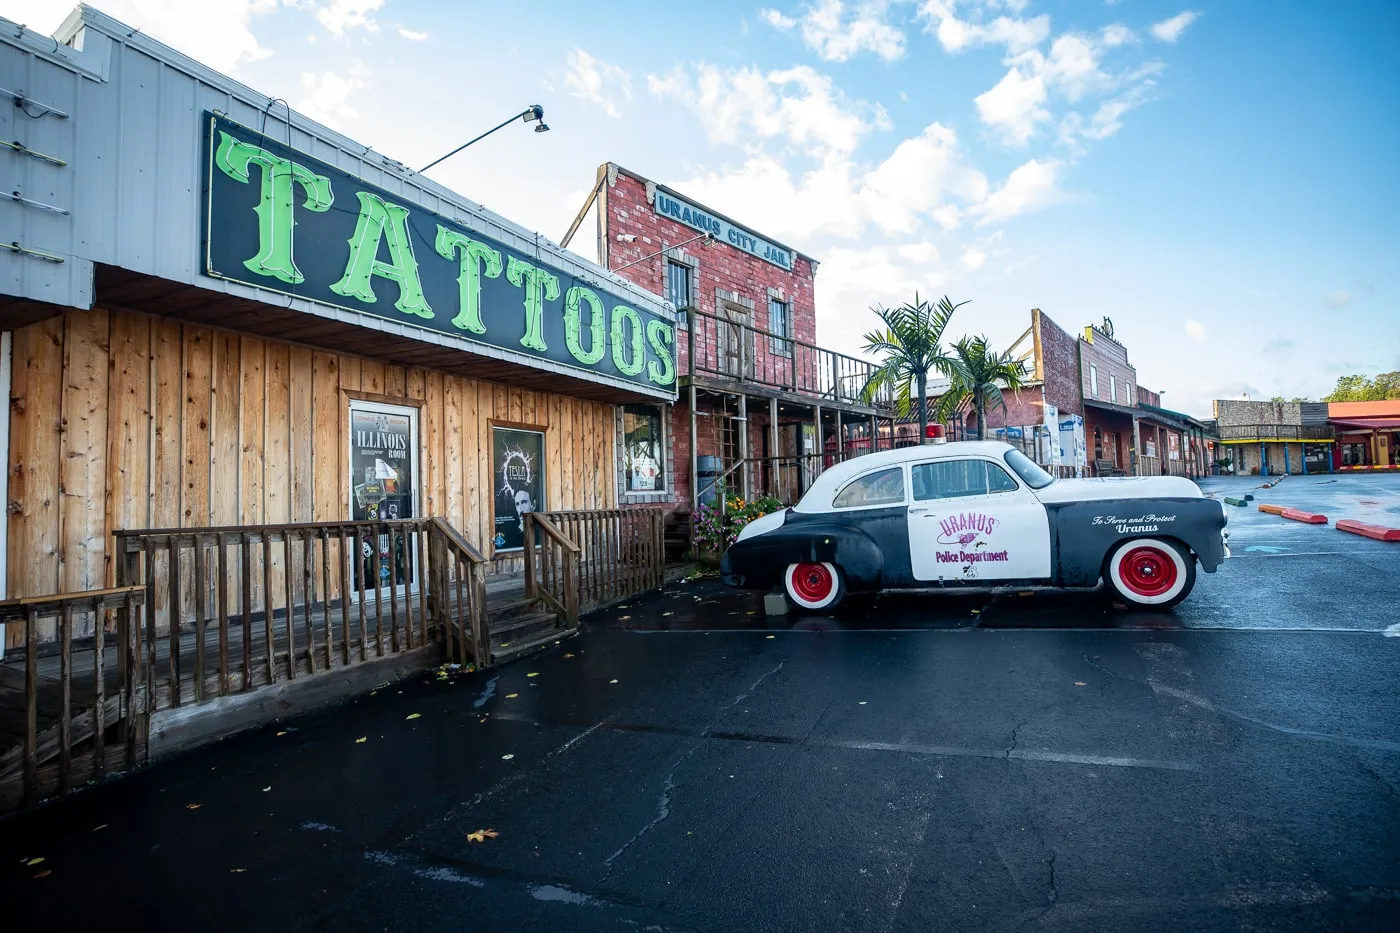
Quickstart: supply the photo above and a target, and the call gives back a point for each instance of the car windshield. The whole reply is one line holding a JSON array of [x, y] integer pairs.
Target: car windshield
[[1028, 470]]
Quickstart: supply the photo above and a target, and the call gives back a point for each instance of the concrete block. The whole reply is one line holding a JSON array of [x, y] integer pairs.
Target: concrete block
[[1232, 501], [775, 604], [1307, 518], [1271, 509], [1378, 532]]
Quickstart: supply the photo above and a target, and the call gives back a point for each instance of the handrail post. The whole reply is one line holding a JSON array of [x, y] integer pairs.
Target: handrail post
[[531, 590]]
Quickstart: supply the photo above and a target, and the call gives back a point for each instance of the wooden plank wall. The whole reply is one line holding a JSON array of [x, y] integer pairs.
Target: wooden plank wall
[[119, 420]]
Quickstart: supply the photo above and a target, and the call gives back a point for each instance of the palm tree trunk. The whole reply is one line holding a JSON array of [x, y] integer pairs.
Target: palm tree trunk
[[921, 384], [981, 416]]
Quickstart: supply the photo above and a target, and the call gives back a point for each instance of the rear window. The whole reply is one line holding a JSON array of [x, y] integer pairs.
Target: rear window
[[883, 487], [1028, 470]]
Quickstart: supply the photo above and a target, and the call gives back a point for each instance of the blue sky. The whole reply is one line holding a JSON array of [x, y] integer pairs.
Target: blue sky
[[1217, 177]]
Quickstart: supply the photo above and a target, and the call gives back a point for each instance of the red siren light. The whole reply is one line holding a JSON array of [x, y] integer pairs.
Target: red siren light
[[933, 434]]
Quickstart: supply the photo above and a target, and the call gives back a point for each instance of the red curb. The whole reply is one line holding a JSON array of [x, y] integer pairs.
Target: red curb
[[1379, 532], [1308, 518]]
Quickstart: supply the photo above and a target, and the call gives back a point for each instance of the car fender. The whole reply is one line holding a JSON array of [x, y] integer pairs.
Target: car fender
[[761, 559], [1084, 533]]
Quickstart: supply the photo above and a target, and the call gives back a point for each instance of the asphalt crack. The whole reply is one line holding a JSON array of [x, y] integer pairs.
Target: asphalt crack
[[1015, 737]]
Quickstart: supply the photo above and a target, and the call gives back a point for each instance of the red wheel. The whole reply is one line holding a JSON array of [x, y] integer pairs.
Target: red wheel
[[814, 586], [1151, 572]]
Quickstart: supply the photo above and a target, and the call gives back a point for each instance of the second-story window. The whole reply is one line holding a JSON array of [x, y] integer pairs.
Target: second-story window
[[679, 291], [1094, 379], [780, 323], [1113, 389]]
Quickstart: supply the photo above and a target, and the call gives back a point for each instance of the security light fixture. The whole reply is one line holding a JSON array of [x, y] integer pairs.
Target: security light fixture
[[531, 114]]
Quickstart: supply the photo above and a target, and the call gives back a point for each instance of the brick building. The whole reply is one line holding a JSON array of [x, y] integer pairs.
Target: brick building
[[762, 406], [1045, 418], [1109, 386], [1270, 438]]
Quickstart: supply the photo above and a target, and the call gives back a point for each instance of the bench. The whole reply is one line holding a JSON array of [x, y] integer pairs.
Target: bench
[[1106, 468]]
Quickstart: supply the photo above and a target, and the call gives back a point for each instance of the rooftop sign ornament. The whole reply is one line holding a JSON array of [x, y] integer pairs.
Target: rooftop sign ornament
[[281, 220], [697, 218]]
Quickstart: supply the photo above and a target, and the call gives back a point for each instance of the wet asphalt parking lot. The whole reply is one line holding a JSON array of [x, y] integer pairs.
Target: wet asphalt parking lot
[[992, 762]]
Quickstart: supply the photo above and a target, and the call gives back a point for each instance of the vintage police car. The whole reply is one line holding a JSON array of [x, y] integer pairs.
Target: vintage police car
[[980, 514]]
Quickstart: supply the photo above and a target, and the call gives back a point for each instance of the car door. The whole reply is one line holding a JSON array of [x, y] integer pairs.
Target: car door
[[970, 519]]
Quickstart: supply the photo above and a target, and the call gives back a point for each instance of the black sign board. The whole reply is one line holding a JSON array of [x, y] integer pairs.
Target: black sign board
[[282, 220], [517, 469]]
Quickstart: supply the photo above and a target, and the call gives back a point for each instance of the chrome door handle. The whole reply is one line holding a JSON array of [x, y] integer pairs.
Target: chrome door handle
[[914, 510]]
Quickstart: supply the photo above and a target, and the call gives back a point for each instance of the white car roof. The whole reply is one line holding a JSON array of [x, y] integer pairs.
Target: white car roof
[[823, 490]]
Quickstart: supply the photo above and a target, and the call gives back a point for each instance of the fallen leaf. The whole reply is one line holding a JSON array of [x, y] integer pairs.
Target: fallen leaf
[[34, 861], [481, 835], [373, 692], [567, 656], [977, 612], [665, 614], [624, 618], [45, 873], [862, 702], [238, 871], [507, 757], [191, 806], [96, 828], [505, 644], [511, 696], [1080, 683], [267, 788], [772, 636], [613, 681], [362, 740], [533, 674], [414, 716], [280, 734], [751, 612]]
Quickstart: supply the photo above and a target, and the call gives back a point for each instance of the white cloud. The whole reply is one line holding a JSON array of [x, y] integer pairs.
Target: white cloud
[[411, 35], [1014, 106], [218, 34], [326, 96], [342, 16], [1196, 330], [855, 280], [1030, 187], [594, 80], [838, 31], [923, 174], [1339, 299], [973, 258], [956, 34], [1108, 118], [1169, 30], [798, 105]]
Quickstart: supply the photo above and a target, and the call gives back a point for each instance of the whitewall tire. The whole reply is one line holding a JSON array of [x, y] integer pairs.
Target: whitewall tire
[[1150, 572], [816, 587]]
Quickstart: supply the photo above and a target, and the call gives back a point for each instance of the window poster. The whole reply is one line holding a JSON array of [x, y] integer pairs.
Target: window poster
[[642, 453], [382, 471], [517, 467]]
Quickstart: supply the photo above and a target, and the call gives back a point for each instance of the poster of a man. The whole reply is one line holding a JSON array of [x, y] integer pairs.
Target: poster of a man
[[517, 461]]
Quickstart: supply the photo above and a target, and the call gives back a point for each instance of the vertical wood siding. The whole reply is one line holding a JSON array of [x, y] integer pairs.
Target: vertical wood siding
[[119, 421]]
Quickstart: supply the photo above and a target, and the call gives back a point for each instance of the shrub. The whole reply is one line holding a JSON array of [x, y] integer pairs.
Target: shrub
[[717, 529]]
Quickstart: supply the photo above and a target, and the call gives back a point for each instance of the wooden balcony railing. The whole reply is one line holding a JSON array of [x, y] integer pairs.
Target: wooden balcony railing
[[621, 551], [552, 568], [732, 349], [457, 600], [82, 686], [1275, 432]]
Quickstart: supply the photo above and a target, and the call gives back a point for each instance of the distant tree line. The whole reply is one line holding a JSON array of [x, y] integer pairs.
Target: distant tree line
[[1363, 389]]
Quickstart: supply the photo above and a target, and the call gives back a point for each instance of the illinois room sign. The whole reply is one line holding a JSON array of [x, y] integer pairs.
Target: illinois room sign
[[282, 220]]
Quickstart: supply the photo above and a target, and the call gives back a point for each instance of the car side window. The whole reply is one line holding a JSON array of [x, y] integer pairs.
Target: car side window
[[883, 487], [955, 479]]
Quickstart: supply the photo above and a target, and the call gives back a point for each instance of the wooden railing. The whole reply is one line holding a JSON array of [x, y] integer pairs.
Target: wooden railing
[[732, 349], [74, 696], [552, 567], [622, 551], [233, 609], [458, 596], [1275, 432]]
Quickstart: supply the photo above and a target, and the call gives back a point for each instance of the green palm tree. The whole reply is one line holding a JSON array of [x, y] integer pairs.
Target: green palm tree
[[978, 376], [910, 345]]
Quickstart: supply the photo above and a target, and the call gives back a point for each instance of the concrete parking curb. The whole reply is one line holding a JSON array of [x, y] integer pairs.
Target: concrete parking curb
[[1378, 532], [1272, 509], [1231, 501], [1307, 518]]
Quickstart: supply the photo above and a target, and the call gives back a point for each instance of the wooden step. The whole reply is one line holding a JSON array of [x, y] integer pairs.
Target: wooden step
[[519, 649], [523, 628], [50, 739]]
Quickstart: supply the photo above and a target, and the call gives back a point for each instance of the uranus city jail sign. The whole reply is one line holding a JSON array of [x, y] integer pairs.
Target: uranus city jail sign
[[282, 220]]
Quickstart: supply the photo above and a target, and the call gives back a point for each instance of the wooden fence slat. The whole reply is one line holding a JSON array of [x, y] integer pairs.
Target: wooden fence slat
[[221, 588], [150, 628], [421, 559], [393, 593], [174, 572], [199, 594], [99, 707], [308, 598], [65, 721], [246, 572], [347, 554], [268, 652], [31, 706], [289, 617], [326, 594], [132, 648]]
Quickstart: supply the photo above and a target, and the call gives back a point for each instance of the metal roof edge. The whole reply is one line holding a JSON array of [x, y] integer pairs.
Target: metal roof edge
[[120, 32]]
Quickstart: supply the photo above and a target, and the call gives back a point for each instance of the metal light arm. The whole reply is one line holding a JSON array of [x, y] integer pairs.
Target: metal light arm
[[534, 112], [703, 236]]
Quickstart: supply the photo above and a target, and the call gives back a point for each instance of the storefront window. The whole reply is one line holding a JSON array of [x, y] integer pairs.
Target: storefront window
[[643, 454], [383, 487], [678, 290]]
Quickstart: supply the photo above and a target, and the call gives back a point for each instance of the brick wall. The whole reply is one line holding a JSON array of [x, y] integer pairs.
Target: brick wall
[[719, 268], [1233, 412], [1101, 353], [1024, 406], [1057, 364]]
